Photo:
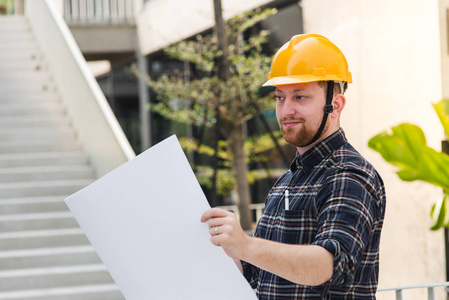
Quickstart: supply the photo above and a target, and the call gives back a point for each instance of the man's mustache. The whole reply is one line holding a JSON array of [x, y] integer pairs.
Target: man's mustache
[[287, 119]]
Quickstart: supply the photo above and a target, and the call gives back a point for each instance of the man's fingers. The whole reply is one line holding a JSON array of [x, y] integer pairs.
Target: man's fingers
[[215, 230], [216, 222], [214, 213], [215, 240]]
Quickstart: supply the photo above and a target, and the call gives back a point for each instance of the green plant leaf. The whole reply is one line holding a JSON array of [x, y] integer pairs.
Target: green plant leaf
[[440, 214], [406, 148], [442, 110]]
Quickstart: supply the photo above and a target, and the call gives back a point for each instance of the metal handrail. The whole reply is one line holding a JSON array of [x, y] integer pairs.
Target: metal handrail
[[430, 289], [99, 12]]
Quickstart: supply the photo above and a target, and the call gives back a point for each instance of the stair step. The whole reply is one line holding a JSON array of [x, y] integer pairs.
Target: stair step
[[42, 188], [38, 238], [16, 55], [26, 91], [15, 23], [15, 86], [37, 221], [30, 108], [23, 75], [37, 82], [86, 292], [33, 121], [39, 278], [42, 159], [48, 257], [15, 206], [40, 97], [43, 145], [46, 173], [43, 132], [19, 45]]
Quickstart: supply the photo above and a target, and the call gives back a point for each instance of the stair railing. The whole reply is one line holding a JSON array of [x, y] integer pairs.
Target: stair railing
[[97, 127], [82, 12], [430, 289]]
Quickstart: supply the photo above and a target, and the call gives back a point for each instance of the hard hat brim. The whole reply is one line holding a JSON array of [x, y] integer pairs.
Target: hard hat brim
[[294, 79]]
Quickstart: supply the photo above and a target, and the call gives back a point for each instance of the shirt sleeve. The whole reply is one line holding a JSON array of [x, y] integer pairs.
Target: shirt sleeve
[[346, 208], [251, 273]]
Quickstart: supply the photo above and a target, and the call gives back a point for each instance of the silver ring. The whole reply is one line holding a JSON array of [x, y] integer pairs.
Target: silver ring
[[216, 230]]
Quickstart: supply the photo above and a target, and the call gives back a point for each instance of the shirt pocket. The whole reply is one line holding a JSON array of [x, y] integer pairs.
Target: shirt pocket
[[297, 227]]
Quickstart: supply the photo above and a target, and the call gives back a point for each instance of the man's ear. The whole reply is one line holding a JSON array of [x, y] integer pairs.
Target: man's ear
[[338, 102]]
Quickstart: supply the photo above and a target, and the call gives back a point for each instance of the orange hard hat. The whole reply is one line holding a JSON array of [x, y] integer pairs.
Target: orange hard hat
[[308, 58]]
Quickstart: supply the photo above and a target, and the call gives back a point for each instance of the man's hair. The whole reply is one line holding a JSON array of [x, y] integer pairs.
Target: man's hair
[[337, 86]]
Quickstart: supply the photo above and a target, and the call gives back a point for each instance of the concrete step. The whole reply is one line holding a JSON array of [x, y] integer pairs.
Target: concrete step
[[46, 173], [11, 36], [38, 221], [32, 85], [30, 108], [41, 132], [23, 55], [15, 22], [19, 45], [51, 277], [34, 121], [48, 257], [42, 159], [36, 81], [31, 97], [86, 292], [39, 238], [26, 91], [23, 75], [17, 206], [44, 145], [42, 188]]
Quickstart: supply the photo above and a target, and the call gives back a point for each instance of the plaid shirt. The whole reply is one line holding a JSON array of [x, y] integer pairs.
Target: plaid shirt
[[337, 201]]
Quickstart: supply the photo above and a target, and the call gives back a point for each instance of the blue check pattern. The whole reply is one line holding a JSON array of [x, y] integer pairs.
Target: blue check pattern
[[337, 201]]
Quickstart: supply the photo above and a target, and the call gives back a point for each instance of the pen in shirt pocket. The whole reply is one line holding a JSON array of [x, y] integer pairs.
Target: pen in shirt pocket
[[286, 200]]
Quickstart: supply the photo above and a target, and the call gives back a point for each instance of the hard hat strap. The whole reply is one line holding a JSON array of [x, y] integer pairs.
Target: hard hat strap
[[328, 108]]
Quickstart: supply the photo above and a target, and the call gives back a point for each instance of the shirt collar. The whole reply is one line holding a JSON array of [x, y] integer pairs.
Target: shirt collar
[[318, 152]]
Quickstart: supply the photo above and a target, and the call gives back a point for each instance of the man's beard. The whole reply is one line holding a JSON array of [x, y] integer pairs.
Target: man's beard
[[303, 136]]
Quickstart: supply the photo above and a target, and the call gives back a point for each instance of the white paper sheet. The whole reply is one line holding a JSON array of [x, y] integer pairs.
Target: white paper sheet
[[143, 219]]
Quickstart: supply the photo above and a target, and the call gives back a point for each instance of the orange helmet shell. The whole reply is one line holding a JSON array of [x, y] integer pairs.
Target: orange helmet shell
[[308, 58]]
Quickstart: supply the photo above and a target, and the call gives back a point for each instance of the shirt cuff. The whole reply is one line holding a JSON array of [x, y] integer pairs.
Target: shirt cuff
[[343, 269]]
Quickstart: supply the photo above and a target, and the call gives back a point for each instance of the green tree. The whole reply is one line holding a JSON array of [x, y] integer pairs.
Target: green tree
[[225, 97], [405, 147]]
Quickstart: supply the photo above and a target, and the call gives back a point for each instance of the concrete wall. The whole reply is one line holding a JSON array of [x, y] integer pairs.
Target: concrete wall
[[444, 24], [161, 22], [393, 50], [105, 39]]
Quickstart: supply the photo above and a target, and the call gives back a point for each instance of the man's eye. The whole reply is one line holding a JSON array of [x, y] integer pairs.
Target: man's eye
[[279, 98], [299, 98]]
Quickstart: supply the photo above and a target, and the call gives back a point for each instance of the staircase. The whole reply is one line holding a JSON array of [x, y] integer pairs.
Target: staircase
[[43, 252]]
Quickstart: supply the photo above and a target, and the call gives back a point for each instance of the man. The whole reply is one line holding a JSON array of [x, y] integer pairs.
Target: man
[[319, 235]]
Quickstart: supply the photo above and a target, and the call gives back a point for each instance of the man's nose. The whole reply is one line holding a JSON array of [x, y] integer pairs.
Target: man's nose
[[288, 107]]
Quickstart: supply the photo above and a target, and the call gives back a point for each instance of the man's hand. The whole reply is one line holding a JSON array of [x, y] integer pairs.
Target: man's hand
[[226, 232]]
